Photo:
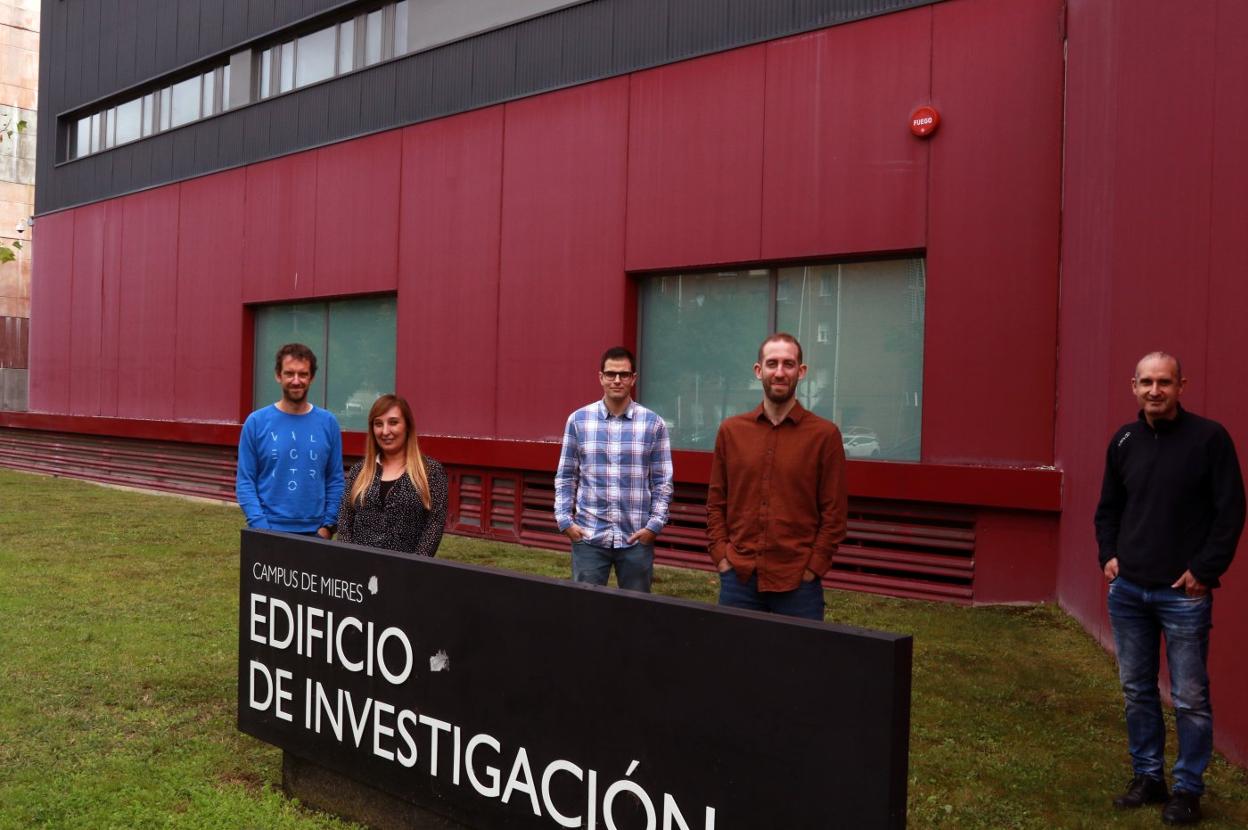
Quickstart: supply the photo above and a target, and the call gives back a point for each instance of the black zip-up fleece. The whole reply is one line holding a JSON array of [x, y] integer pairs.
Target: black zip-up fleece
[[1172, 500]]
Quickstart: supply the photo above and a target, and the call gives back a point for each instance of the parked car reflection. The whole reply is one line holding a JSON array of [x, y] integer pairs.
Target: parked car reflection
[[860, 442]]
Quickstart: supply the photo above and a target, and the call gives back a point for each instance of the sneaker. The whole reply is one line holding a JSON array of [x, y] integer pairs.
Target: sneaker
[[1142, 790], [1182, 808]]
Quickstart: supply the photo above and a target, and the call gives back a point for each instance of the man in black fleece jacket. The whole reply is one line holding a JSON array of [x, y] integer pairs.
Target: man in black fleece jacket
[[1170, 516]]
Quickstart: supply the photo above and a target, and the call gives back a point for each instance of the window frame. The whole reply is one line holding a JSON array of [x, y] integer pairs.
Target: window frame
[[260, 368], [277, 57], [773, 271]]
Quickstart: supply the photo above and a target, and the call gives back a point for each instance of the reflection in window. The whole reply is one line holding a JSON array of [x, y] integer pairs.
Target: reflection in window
[[861, 329], [699, 338], [266, 73], [185, 102], [346, 46], [165, 108], [314, 57], [148, 119], [867, 332], [354, 341], [372, 38], [210, 105], [82, 137], [287, 81], [400, 27]]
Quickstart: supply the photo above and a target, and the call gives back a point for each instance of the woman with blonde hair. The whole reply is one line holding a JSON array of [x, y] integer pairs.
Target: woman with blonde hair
[[395, 498]]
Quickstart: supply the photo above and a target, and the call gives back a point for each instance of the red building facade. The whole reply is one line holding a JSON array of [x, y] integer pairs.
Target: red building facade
[[516, 236]]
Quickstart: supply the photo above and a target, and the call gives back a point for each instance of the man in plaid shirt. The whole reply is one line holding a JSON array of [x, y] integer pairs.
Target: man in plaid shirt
[[614, 482]]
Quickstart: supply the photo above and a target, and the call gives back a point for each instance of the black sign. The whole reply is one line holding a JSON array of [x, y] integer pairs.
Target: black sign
[[500, 700]]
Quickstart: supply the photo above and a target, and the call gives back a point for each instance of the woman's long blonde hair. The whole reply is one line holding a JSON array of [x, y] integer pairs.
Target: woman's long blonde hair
[[414, 461]]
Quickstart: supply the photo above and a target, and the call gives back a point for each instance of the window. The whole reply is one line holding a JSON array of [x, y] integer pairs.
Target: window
[[354, 342], [861, 329], [128, 119], [346, 46], [149, 113], [266, 72], [187, 100], [314, 58], [372, 38], [400, 27], [209, 94], [377, 34], [185, 97]]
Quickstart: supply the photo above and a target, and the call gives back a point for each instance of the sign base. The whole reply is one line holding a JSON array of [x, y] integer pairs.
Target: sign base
[[334, 793]]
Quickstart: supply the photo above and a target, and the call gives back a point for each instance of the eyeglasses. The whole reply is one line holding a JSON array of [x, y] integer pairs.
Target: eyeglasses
[[617, 375]]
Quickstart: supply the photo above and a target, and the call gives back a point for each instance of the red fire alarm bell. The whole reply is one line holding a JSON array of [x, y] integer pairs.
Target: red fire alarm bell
[[924, 121]]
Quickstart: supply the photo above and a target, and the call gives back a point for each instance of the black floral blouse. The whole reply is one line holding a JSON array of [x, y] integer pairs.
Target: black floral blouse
[[401, 522]]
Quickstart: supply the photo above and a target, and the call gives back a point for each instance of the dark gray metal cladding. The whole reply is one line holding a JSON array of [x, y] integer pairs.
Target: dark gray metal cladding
[[93, 50]]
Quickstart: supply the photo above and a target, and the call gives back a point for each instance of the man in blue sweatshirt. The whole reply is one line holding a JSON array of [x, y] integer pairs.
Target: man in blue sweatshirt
[[290, 455], [1169, 519]]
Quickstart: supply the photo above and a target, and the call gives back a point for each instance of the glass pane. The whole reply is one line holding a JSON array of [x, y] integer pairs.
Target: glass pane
[[128, 116], [315, 57], [95, 133], [372, 38], [287, 53], [110, 127], [699, 341], [346, 46], [275, 327], [82, 140], [400, 28], [185, 102], [225, 88], [861, 329], [210, 105], [166, 107], [149, 113], [266, 72], [361, 352]]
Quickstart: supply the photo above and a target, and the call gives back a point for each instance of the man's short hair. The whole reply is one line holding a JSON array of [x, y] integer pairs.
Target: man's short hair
[[1160, 355], [299, 352], [782, 337], [618, 353]]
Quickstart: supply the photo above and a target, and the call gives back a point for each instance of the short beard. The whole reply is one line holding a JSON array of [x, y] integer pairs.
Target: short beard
[[788, 396]]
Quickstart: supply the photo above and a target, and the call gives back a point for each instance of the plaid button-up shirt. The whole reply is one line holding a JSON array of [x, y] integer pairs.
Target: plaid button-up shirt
[[617, 471]]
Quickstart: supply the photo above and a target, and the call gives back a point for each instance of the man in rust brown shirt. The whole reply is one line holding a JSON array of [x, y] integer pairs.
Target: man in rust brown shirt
[[777, 505]]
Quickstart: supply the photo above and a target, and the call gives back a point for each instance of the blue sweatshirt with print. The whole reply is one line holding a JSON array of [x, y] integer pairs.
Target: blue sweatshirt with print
[[290, 469]]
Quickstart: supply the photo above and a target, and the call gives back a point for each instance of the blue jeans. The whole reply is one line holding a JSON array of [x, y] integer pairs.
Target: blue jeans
[[634, 565], [805, 601], [1139, 617]]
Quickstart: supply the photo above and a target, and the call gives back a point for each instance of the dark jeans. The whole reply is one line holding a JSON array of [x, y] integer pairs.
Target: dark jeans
[[634, 565], [806, 600], [1139, 617]]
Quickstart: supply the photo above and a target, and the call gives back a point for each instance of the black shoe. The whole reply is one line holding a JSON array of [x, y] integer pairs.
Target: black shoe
[[1182, 808], [1143, 790]]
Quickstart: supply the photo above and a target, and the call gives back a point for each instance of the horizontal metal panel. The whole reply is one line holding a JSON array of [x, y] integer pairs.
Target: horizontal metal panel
[[494, 66], [313, 117], [572, 45], [587, 42], [381, 95], [211, 26], [639, 34]]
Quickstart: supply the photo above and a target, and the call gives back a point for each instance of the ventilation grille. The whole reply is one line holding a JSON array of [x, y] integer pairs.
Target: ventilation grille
[[896, 548], [173, 467]]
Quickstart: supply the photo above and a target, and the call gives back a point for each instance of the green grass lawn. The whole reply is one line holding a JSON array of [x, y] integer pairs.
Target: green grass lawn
[[118, 615]]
